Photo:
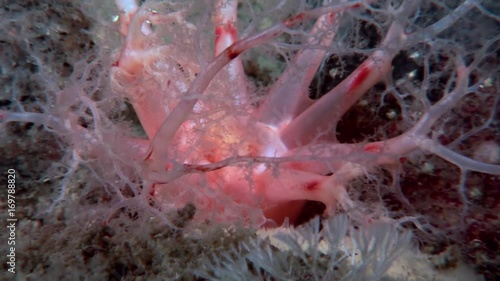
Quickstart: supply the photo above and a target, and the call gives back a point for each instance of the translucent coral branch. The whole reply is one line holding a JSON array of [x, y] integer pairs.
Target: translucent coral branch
[[285, 185], [48, 120], [444, 105], [330, 157], [226, 33], [289, 95], [225, 20], [463, 162]]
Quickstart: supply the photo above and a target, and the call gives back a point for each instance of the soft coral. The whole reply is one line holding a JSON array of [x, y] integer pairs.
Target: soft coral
[[283, 151]]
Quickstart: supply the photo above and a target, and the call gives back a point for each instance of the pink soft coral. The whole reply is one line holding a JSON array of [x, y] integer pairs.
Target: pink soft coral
[[211, 144]]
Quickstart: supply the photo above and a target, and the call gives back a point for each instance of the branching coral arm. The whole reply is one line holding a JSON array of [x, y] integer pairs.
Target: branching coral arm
[[461, 161], [324, 114], [444, 23], [449, 101], [422, 128], [328, 158], [388, 152]]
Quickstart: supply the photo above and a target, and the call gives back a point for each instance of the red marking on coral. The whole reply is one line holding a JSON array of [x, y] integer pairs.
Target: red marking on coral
[[294, 20], [362, 73], [225, 35], [168, 83], [403, 160], [219, 30], [373, 148], [227, 30], [231, 53], [311, 186], [232, 31], [331, 17], [152, 191]]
